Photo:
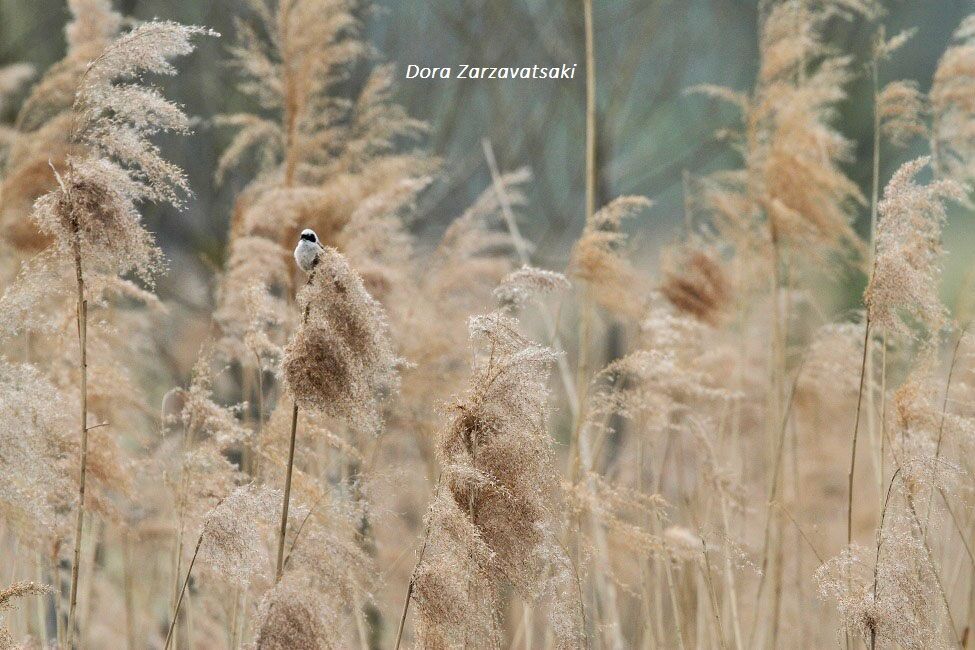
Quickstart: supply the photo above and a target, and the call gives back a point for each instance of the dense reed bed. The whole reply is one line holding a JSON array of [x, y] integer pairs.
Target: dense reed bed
[[433, 444]]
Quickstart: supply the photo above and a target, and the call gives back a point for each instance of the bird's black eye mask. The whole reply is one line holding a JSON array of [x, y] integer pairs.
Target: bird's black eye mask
[[308, 236]]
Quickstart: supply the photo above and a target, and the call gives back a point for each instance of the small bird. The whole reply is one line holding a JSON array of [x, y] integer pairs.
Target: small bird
[[308, 250]]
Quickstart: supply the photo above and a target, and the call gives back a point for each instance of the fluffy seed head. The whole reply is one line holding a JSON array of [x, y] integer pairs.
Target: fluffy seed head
[[696, 283], [900, 108], [492, 523], [597, 260], [340, 360], [953, 106], [526, 283], [234, 538], [907, 268], [21, 589]]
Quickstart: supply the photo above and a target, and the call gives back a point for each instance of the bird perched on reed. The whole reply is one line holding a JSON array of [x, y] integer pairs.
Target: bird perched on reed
[[307, 250]]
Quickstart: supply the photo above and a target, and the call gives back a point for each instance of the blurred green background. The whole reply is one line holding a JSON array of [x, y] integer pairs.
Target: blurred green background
[[648, 52]]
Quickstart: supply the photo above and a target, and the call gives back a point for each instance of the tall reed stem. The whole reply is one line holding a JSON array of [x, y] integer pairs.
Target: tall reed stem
[[674, 603], [773, 488], [42, 601], [586, 307], [287, 492], [874, 202], [255, 467], [419, 561], [875, 176], [880, 541], [291, 464], [590, 111], [182, 592], [521, 248], [582, 457], [82, 315], [941, 426], [715, 609], [128, 591], [856, 428], [181, 497]]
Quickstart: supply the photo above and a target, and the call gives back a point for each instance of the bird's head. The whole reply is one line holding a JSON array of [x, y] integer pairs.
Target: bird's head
[[309, 235]]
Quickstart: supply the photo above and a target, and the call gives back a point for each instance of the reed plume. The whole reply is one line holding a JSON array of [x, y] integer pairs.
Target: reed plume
[[340, 360], [92, 215], [495, 521], [952, 139], [792, 177], [231, 542], [899, 609], [42, 134], [696, 282], [907, 267], [329, 579], [9, 596], [597, 260], [292, 57]]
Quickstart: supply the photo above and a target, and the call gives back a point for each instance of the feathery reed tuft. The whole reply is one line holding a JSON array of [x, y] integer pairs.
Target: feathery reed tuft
[[952, 106], [908, 263], [234, 536], [596, 258], [495, 521], [696, 283], [340, 361]]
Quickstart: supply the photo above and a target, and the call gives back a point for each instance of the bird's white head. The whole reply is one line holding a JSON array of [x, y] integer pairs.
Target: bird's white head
[[308, 250]]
